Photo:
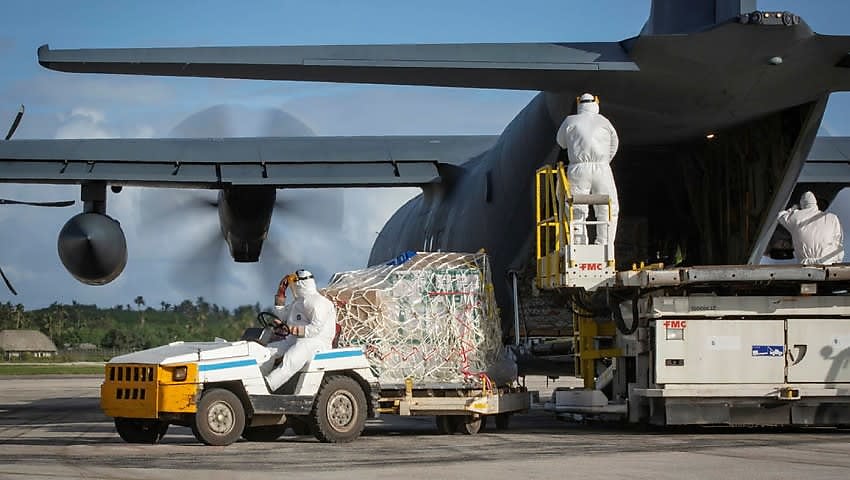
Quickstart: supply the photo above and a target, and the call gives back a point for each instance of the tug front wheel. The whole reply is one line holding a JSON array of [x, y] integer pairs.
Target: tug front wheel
[[339, 413], [220, 419]]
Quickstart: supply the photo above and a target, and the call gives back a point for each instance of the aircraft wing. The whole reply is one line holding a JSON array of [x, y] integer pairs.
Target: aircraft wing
[[283, 162], [521, 66]]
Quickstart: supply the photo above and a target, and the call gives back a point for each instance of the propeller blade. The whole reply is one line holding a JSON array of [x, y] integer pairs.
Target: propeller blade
[[202, 268], [273, 122], [318, 210], [15, 123], [64, 203], [214, 122], [321, 209], [8, 283], [164, 209]]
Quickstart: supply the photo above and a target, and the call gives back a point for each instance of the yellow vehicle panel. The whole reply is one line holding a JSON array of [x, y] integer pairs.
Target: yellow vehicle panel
[[144, 391]]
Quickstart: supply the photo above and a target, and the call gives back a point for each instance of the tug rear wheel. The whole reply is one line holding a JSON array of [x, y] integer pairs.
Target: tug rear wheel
[[339, 413]]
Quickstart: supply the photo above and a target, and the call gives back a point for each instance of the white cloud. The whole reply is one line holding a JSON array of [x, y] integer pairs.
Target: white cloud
[[83, 122], [90, 114], [89, 122]]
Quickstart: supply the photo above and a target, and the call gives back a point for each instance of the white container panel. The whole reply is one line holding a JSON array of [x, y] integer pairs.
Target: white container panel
[[696, 351], [827, 350]]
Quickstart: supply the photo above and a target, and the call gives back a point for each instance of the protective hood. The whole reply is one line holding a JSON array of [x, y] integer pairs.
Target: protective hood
[[808, 200], [591, 107], [304, 287]]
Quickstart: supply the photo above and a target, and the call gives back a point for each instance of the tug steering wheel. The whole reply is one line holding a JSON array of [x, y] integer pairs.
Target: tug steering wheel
[[270, 320]]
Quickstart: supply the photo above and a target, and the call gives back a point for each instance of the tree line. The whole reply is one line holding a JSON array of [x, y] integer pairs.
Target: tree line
[[126, 327]]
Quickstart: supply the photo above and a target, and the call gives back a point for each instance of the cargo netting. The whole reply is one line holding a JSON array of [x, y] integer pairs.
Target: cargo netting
[[432, 318]]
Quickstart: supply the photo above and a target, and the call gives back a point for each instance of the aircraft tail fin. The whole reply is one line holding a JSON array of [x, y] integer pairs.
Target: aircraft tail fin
[[676, 17]]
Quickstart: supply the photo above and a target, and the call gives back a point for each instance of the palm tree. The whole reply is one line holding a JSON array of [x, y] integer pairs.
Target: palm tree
[[140, 301], [20, 320], [203, 311]]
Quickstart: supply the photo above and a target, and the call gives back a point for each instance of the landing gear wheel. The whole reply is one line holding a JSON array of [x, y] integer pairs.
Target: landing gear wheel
[[502, 421], [220, 419], [339, 413], [446, 424], [265, 433], [469, 424], [140, 431]]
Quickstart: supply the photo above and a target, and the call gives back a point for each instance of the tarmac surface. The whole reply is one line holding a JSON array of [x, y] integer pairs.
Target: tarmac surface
[[51, 427]]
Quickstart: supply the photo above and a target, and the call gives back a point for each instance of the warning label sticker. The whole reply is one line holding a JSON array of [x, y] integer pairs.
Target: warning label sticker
[[768, 350]]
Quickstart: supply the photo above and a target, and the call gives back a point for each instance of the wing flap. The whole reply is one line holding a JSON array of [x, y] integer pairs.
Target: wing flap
[[533, 66]]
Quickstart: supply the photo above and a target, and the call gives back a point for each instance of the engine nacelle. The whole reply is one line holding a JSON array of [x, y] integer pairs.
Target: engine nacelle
[[93, 248]]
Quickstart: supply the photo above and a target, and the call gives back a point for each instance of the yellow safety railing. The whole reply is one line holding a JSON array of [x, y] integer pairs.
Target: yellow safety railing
[[553, 220]]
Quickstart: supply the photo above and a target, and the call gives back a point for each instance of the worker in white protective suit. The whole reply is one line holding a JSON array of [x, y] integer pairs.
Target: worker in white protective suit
[[817, 236], [311, 320], [591, 143]]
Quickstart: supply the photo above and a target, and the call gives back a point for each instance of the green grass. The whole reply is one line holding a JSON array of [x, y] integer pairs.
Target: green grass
[[49, 369]]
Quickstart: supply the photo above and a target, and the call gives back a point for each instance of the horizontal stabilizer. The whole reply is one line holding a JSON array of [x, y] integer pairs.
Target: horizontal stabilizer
[[214, 163], [522, 66], [835, 49]]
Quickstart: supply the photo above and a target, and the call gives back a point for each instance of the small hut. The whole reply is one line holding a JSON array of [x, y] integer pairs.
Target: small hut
[[16, 343]]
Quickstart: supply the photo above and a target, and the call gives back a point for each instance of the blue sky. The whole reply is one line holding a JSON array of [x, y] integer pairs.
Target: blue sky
[[67, 105]]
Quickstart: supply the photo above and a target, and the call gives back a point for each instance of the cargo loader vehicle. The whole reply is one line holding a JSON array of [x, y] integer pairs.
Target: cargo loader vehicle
[[699, 345]]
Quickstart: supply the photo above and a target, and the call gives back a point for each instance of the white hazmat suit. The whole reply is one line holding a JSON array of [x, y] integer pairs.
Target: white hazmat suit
[[817, 236], [591, 143], [317, 315]]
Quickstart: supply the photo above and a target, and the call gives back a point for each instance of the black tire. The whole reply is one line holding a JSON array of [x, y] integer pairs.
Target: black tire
[[469, 424], [502, 421], [446, 424], [141, 431], [265, 433], [220, 419], [339, 413]]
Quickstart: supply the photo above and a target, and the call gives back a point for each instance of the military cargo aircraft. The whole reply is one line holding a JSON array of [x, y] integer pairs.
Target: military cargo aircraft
[[717, 105]]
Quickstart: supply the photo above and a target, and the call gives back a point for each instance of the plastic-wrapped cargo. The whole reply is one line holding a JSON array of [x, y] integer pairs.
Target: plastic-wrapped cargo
[[432, 318]]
